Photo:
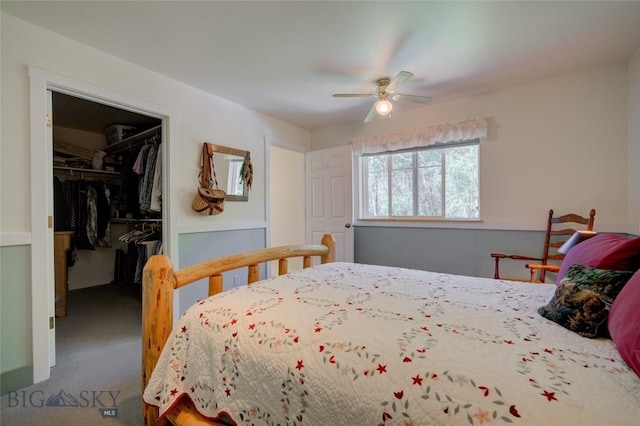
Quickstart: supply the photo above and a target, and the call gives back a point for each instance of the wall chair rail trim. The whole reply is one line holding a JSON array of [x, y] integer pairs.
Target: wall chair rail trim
[[8, 239]]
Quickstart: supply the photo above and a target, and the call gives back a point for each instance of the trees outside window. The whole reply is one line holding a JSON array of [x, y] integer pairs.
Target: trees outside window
[[438, 182]]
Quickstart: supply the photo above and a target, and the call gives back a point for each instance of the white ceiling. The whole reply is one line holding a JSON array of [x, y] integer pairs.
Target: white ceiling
[[286, 59]]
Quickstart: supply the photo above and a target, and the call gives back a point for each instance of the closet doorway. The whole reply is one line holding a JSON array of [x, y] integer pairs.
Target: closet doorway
[[107, 188], [41, 85]]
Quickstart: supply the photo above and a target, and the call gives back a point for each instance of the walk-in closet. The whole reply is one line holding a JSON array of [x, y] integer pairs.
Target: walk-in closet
[[107, 178]]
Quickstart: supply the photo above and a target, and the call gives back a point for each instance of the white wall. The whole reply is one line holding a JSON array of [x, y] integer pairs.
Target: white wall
[[201, 117], [634, 143], [196, 117], [558, 143]]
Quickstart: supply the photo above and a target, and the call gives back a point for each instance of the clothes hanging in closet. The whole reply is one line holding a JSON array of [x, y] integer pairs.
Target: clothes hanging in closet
[[141, 245], [146, 178], [128, 204], [141, 188], [83, 207], [60, 207], [155, 204]]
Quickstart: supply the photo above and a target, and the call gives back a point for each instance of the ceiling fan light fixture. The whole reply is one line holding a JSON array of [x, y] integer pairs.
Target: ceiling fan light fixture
[[384, 94], [383, 107]]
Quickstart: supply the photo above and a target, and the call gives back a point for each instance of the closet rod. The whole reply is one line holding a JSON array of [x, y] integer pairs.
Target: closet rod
[[132, 141], [136, 221]]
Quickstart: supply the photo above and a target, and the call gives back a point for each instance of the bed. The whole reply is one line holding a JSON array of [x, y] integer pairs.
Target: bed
[[352, 344]]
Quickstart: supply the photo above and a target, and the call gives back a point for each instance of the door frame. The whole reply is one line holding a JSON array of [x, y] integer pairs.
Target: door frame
[[42, 279]]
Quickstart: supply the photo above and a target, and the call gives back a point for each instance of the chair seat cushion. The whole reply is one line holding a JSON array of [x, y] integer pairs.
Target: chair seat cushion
[[624, 322], [604, 251]]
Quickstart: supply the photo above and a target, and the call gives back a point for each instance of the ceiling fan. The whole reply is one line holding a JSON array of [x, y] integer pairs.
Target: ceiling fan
[[385, 92]]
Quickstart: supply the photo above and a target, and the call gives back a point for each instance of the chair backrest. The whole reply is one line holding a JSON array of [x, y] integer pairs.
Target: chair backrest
[[559, 229]]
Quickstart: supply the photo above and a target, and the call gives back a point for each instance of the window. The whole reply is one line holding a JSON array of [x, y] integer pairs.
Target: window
[[235, 186], [438, 181]]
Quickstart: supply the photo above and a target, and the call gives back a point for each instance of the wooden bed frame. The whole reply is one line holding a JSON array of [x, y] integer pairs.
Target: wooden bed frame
[[158, 284]]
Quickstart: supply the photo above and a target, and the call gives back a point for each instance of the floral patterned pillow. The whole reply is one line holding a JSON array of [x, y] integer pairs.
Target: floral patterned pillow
[[583, 298]]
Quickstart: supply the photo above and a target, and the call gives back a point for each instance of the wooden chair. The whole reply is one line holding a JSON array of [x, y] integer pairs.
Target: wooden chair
[[556, 234]]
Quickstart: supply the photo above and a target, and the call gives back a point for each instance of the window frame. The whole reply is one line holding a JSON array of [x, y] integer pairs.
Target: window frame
[[361, 168]]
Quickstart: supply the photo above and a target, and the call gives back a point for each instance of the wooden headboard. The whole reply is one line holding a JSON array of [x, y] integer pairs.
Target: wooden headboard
[[160, 280]]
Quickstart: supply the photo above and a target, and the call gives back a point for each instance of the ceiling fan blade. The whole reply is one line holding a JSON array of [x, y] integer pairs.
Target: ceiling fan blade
[[398, 80], [371, 115], [412, 98], [353, 95]]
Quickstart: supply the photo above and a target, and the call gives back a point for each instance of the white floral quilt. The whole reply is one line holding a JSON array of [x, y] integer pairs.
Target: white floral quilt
[[352, 344]]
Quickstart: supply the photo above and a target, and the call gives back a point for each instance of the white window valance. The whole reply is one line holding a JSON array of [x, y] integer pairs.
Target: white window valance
[[473, 128]]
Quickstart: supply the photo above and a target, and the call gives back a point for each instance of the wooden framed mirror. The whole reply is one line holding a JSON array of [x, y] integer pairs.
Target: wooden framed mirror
[[227, 164]]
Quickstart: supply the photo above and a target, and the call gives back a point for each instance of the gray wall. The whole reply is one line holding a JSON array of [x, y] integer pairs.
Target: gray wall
[[15, 293], [448, 250], [15, 317], [201, 246]]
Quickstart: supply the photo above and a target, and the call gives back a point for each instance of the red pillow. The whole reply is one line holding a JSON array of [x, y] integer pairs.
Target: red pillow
[[624, 322], [604, 251]]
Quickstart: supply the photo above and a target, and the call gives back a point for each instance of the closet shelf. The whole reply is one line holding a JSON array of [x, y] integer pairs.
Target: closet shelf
[[132, 141], [82, 170]]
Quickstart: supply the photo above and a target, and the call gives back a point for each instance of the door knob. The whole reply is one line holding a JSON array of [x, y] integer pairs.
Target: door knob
[[347, 225]]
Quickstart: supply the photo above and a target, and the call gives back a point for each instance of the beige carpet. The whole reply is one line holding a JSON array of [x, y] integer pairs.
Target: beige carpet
[[96, 379]]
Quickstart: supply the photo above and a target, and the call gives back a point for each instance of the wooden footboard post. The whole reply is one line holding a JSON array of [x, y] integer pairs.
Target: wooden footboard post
[[330, 242], [158, 283]]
